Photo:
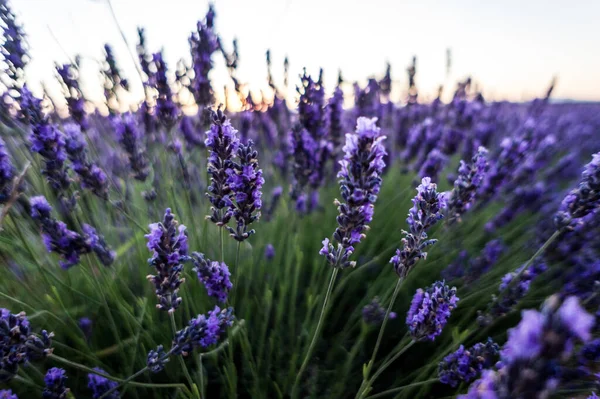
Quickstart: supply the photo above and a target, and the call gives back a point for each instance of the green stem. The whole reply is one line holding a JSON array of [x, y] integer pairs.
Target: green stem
[[396, 390], [379, 338], [221, 232], [315, 335], [237, 270], [389, 362], [186, 372]]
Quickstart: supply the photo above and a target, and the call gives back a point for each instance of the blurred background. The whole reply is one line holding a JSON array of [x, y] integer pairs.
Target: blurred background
[[511, 49]]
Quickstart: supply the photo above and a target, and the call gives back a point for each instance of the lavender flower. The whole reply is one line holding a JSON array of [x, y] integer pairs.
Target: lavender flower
[[55, 381], [85, 324], [374, 313], [203, 43], [214, 275], [433, 165], [360, 182], [69, 75], [426, 211], [101, 385], [168, 243], [18, 345], [245, 180], [275, 197], [47, 141], [166, 109], [223, 143], [458, 268], [157, 359], [13, 48], [584, 199], [7, 173], [69, 244], [535, 361], [269, 252], [92, 177], [7, 394], [484, 262], [336, 127], [203, 331], [303, 150], [470, 177], [113, 80], [465, 365], [130, 138], [430, 310]]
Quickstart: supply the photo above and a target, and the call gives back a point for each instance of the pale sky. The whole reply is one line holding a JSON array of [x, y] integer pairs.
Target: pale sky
[[512, 48]]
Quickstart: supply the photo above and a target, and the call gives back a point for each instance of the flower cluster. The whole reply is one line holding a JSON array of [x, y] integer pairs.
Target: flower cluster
[[303, 151], [7, 394], [203, 43], [429, 311], [167, 111], [484, 262], [69, 75], [466, 185], [18, 344], [113, 80], [91, 175], [69, 244], [169, 246], [360, 182], [157, 358], [214, 275], [433, 165], [584, 199], [7, 173], [427, 209], [100, 385], [130, 138], [47, 141], [534, 362], [222, 143], [203, 331], [374, 313], [245, 181], [465, 365], [13, 48], [55, 381], [335, 111]]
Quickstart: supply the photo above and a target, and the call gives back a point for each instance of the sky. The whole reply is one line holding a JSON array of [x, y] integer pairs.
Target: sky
[[511, 48]]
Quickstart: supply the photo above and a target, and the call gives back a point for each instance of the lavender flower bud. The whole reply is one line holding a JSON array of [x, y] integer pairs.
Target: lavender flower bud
[[245, 181], [430, 310], [433, 165], [269, 252], [18, 345], [374, 313], [166, 109], [7, 394], [69, 244], [465, 365], [203, 331], [101, 385], [222, 143], [427, 210], [13, 48], [470, 177], [69, 75], [92, 177], [303, 150], [203, 43], [584, 199], [85, 324], [130, 138], [168, 243], [214, 275], [156, 359], [7, 174], [336, 127], [360, 182], [47, 141], [55, 381]]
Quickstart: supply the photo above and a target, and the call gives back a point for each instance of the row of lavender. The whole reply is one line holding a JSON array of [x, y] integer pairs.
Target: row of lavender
[[521, 156]]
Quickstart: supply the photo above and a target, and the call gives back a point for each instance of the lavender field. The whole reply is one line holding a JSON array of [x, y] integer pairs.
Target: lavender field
[[346, 244]]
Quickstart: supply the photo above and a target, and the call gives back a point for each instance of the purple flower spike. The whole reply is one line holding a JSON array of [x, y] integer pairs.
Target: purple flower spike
[[245, 181], [7, 173], [374, 313], [69, 77], [214, 275], [360, 182], [55, 381], [168, 243], [203, 43], [100, 385], [465, 365], [430, 310], [167, 111], [222, 142], [203, 331], [427, 210], [130, 138], [466, 185]]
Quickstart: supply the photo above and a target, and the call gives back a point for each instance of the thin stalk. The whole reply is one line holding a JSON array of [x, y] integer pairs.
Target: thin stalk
[[389, 362], [379, 338], [221, 232], [316, 334], [396, 390], [237, 270], [186, 372]]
